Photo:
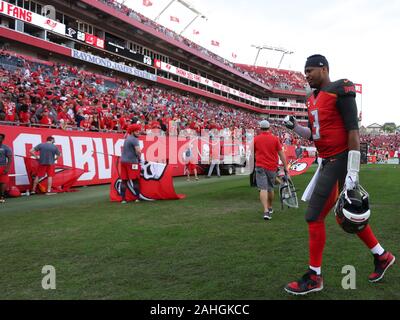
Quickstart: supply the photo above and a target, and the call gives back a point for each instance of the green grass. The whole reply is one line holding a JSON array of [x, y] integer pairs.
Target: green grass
[[212, 245]]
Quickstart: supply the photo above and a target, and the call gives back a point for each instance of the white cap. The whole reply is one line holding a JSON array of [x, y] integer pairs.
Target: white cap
[[264, 124]]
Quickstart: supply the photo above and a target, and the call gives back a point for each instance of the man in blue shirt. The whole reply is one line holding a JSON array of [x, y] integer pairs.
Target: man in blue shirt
[[5, 163], [48, 155], [130, 161]]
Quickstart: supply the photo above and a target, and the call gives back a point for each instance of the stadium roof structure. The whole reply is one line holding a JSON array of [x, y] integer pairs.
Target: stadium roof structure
[[268, 47], [374, 125], [123, 25]]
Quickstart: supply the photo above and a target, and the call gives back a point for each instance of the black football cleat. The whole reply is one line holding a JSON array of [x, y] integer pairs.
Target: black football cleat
[[310, 282], [382, 263]]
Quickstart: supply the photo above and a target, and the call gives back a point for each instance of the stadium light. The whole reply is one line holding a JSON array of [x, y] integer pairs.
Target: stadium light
[[267, 47], [187, 5], [193, 20], [163, 10], [190, 6]]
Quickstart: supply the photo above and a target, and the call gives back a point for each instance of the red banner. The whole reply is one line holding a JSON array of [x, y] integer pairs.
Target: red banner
[[290, 152], [93, 151], [94, 41], [300, 166], [155, 183], [65, 177], [89, 151]]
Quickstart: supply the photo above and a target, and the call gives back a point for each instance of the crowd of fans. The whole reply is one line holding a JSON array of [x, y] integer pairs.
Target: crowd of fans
[[274, 78], [59, 95], [382, 146], [38, 93]]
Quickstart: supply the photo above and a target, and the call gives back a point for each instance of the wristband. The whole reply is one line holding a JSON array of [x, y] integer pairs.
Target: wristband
[[353, 162]]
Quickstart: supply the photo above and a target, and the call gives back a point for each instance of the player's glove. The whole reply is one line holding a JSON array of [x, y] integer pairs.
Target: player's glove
[[289, 122], [353, 167], [351, 180]]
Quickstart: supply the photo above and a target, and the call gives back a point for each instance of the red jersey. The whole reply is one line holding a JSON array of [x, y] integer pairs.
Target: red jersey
[[85, 124], [326, 120], [9, 109], [62, 115], [266, 148], [45, 120], [24, 117]]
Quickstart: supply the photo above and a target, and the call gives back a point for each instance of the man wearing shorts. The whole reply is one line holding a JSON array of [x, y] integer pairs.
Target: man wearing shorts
[[48, 155], [191, 162], [267, 149], [130, 161], [5, 163]]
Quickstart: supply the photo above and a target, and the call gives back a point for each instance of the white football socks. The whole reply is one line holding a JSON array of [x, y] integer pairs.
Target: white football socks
[[378, 249], [317, 270]]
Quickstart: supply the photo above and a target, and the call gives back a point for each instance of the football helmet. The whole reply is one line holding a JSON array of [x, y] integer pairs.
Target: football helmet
[[352, 209], [287, 193]]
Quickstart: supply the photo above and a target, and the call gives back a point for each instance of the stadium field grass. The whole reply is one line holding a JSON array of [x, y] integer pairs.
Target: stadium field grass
[[212, 245]]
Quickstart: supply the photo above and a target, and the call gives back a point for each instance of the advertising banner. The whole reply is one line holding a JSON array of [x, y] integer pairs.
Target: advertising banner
[[22, 14]]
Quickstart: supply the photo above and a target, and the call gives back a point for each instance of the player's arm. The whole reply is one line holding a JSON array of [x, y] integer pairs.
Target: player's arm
[[33, 152], [57, 155], [9, 160], [291, 123], [346, 104]]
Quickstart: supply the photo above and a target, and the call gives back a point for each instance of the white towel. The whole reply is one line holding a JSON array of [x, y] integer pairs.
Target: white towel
[[310, 188]]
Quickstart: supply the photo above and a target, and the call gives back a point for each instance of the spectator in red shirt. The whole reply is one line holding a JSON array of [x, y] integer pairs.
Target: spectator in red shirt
[[267, 149], [122, 122], [63, 115], [24, 114], [9, 109], [45, 119]]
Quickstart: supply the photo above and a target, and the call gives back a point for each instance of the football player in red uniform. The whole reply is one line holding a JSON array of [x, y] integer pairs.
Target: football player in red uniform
[[333, 126]]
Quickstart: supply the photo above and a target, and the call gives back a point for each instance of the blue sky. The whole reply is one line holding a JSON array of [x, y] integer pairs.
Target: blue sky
[[359, 38]]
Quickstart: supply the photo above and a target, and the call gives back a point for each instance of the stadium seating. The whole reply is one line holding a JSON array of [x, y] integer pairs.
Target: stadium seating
[[76, 99], [38, 93], [276, 79], [80, 100], [383, 146]]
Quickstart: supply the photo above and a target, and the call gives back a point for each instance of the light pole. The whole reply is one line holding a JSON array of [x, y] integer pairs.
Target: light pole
[[258, 52], [282, 50], [163, 10], [194, 19], [187, 5]]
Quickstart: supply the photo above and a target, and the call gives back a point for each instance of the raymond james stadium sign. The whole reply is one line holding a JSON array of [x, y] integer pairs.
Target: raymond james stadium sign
[[112, 65]]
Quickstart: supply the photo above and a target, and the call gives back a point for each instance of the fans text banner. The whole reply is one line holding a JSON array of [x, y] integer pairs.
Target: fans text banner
[[209, 83], [22, 14]]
